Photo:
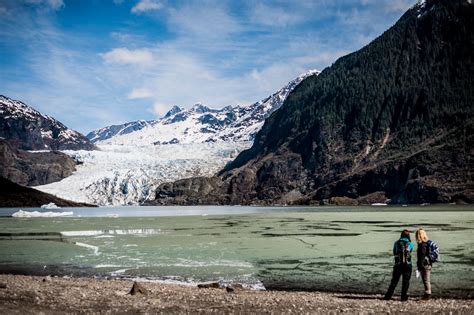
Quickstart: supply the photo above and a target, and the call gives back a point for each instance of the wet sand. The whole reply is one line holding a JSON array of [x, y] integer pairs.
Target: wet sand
[[34, 294]]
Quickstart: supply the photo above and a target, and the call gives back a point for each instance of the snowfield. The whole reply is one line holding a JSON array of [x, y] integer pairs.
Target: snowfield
[[128, 175]]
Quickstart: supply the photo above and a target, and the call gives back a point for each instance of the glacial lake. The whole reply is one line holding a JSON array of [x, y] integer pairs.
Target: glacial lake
[[345, 249]]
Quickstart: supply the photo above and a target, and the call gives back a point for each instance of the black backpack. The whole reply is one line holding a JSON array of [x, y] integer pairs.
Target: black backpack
[[424, 254], [403, 253]]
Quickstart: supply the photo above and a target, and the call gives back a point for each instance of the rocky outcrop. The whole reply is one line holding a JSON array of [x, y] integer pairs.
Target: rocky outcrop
[[32, 169], [14, 195], [393, 121], [28, 129], [192, 191]]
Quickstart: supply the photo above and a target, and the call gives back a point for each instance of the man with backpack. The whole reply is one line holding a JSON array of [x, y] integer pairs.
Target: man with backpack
[[402, 252], [427, 254]]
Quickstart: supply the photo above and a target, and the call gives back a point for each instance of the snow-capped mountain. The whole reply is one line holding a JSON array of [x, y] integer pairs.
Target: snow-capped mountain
[[29, 129], [198, 124]]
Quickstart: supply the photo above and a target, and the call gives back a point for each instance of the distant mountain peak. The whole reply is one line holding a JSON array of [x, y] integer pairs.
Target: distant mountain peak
[[28, 129], [200, 108], [175, 109]]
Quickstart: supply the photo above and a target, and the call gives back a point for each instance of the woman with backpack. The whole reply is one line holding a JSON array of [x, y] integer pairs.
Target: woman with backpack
[[427, 254], [402, 268]]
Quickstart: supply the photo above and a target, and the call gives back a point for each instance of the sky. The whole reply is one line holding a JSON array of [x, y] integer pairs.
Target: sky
[[94, 63]]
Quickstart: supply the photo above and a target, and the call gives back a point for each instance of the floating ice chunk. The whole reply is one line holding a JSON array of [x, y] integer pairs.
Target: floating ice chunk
[[50, 205], [37, 214]]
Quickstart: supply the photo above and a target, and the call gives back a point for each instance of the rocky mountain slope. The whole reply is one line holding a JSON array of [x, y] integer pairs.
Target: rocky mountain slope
[[14, 195], [30, 169], [28, 129], [392, 121], [198, 124]]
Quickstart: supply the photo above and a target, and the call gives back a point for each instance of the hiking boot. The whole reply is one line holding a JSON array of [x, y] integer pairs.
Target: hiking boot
[[426, 297], [404, 298]]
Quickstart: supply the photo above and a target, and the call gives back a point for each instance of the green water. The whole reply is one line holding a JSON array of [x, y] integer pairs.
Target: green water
[[335, 249]]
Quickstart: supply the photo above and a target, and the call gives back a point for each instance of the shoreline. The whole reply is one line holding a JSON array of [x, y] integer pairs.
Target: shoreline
[[21, 294]]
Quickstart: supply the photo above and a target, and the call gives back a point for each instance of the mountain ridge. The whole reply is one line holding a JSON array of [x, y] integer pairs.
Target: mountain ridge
[[199, 123], [29, 129]]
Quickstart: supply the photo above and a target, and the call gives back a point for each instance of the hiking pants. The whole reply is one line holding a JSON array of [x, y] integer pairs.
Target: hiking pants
[[426, 277], [403, 271]]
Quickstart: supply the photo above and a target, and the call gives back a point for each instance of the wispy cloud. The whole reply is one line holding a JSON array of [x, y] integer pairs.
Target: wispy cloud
[[49, 4], [274, 16], [140, 93], [126, 56], [201, 20], [146, 5]]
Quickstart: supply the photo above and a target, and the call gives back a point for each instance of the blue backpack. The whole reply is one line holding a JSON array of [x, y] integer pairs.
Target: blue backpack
[[434, 251]]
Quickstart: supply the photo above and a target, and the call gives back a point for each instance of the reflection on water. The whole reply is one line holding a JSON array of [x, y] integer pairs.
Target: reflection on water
[[345, 249]]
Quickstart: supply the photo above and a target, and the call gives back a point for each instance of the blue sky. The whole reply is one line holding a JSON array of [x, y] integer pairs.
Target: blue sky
[[92, 63]]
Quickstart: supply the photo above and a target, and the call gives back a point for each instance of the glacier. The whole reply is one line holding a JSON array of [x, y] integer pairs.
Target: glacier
[[128, 175], [136, 157]]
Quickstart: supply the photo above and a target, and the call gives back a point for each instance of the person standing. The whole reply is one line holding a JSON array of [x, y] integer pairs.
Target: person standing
[[427, 253], [402, 252]]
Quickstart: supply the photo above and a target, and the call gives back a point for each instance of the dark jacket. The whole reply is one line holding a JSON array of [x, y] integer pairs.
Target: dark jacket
[[425, 253], [396, 247]]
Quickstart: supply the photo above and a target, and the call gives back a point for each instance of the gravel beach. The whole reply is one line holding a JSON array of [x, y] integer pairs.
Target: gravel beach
[[33, 295]]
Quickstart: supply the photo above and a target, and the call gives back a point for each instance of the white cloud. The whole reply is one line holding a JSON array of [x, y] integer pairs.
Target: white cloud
[[126, 56], [209, 21], [398, 6], [140, 93], [391, 6], [146, 5], [160, 109]]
